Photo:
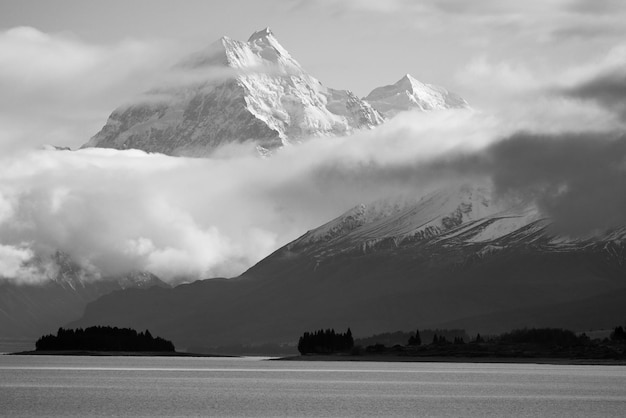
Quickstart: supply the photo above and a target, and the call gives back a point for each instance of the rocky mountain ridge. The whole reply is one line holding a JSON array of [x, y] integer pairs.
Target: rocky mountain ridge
[[256, 92], [459, 257]]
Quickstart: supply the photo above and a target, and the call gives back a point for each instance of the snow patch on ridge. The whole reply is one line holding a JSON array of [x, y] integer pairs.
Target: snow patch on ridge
[[467, 213]]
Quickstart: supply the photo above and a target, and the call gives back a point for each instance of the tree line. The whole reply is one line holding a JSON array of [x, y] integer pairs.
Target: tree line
[[520, 342], [618, 334], [325, 342], [102, 338], [426, 336]]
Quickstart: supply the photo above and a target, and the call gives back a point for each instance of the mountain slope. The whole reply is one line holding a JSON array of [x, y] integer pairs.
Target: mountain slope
[[29, 310], [409, 93], [242, 91], [458, 256]]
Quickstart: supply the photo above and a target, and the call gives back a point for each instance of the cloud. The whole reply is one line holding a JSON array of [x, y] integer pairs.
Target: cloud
[[34, 59], [58, 89], [609, 90], [587, 96], [388, 6], [569, 150], [585, 31], [14, 264], [451, 7], [501, 76], [596, 6], [538, 16], [184, 218], [603, 82], [196, 218], [577, 179]]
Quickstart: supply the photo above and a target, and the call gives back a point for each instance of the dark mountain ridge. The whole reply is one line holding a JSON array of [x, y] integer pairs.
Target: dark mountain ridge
[[481, 271], [30, 310]]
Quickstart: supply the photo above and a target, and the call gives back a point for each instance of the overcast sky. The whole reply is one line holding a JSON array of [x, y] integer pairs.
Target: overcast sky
[[544, 78]]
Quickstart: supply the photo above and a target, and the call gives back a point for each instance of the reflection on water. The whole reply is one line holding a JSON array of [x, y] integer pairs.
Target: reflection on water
[[159, 386]]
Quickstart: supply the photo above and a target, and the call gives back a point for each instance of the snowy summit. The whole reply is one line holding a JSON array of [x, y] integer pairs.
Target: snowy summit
[[253, 91], [260, 94], [409, 93]]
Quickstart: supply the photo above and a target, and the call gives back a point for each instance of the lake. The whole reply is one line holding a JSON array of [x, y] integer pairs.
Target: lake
[[251, 387]]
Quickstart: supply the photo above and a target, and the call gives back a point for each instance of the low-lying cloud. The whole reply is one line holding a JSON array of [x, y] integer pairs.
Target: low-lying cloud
[[577, 179], [57, 89], [559, 143], [189, 218], [197, 218]]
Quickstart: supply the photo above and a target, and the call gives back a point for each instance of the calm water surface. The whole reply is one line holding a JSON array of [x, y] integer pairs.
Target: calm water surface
[[159, 386]]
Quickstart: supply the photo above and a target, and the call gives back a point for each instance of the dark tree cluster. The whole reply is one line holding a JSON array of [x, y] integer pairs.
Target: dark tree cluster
[[618, 334], [102, 339], [544, 336], [439, 340], [390, 339], [520, 343], [415, 340], [325, 342]]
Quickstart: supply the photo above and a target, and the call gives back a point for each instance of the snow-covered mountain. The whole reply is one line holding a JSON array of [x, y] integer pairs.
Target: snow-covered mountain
[[459, 257], [236, 92], [461, 213], [473, 219], [409, 93]]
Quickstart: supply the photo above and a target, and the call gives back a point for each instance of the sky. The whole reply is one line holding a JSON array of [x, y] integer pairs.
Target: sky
[[541, 75], [87, 57]]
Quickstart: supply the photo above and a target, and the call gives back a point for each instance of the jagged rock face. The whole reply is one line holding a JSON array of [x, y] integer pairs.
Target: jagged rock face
[[261, 94], [191, 126], [409, 93]]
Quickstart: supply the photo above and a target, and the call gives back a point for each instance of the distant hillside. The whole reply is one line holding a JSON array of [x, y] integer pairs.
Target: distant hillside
[[452, 259], [30, 310]]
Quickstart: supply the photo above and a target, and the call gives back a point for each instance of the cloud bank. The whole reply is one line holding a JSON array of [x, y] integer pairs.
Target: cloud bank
[[577, 179], [556, 139], [56, 88], [184, 219], [188, 218]]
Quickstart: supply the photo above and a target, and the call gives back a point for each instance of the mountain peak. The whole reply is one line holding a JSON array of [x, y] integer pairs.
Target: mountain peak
[[409, 83], [265, 96], [409, 93], [261, 34]]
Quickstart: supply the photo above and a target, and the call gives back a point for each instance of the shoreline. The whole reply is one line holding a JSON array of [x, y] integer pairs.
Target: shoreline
[[115, 354], [451, 359], [344, 357]]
